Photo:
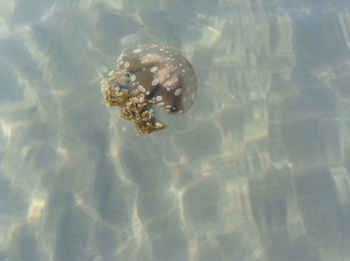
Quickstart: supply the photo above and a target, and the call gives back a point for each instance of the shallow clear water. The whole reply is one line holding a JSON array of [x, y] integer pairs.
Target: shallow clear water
[[257, 170]]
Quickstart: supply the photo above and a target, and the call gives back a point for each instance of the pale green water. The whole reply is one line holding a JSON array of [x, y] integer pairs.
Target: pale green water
[[257, 170]]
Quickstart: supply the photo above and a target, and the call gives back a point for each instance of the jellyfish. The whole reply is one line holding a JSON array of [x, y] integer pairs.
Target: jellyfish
[[147, 76]]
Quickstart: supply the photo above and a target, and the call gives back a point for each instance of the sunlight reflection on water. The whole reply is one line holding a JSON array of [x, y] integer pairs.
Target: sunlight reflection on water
[[256, 170]]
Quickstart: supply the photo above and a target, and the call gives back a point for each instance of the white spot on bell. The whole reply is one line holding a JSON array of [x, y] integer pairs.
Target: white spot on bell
[[178, 92], [154, 69], [138, 50], [159, 98], [126, 64], [141, 88], [155, 82]]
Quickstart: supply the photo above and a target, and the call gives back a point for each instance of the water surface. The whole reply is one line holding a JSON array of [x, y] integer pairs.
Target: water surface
[[257, 170]]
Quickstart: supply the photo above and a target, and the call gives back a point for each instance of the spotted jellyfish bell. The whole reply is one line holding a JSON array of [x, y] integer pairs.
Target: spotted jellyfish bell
[[146, 76]]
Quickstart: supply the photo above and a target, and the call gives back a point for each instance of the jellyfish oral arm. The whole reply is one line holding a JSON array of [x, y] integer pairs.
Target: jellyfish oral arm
[[133, 108], [138, 111]]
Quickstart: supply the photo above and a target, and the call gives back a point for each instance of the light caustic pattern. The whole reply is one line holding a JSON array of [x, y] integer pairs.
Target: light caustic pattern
[[258, 169]]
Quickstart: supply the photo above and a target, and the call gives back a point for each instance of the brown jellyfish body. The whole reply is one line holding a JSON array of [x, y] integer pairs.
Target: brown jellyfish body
[[146, 76]]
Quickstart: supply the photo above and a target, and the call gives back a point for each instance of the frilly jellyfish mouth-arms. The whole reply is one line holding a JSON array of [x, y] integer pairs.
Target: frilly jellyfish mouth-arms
[[147, 76], [133, 108], [115, 90]]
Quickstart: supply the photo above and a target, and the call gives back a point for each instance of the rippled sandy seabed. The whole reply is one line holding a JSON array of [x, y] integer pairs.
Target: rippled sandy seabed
[[257, 170]]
